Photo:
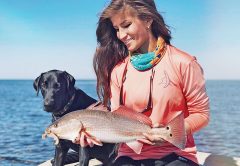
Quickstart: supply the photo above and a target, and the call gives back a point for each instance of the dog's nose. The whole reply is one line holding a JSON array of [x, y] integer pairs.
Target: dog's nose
[[48, 102]]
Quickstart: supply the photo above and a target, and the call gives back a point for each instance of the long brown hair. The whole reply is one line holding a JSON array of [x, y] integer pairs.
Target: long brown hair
[[111, 50]]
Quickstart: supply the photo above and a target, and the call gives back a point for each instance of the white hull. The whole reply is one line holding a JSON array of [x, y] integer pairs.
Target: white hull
[[206, 159]]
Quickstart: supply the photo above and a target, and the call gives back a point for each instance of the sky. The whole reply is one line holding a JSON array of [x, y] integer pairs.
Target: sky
[[37, 36]]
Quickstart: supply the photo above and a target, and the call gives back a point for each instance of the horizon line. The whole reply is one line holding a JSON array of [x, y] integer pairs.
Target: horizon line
[[92, 79]]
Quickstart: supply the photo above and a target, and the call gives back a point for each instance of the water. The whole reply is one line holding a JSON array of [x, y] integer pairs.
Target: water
[[221, 135], [22, 121]]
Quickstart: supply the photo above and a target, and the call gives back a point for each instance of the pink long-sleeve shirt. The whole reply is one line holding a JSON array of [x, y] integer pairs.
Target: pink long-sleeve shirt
[[178, 84]]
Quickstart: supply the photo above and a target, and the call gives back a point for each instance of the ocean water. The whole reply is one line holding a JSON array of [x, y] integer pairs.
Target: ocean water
[[22, 122]]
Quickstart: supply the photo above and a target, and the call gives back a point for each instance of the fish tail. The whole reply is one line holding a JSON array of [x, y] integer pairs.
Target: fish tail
[[177, 133], [174, 132]]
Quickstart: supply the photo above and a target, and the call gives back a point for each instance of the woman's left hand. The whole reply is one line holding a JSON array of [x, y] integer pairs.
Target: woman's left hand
[[152, 139]]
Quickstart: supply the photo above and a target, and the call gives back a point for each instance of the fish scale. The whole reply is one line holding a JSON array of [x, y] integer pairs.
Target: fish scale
[[129, 130]]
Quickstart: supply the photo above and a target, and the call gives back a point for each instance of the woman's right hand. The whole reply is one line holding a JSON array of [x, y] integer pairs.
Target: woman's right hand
[[85, 139]]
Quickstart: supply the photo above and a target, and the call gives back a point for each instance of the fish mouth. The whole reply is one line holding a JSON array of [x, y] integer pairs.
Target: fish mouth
[[49, 134], [44, 136]]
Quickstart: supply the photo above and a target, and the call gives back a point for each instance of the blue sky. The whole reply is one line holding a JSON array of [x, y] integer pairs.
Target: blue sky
[[36, 36]]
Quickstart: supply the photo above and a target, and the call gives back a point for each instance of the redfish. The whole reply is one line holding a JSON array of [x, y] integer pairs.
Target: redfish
[[120, 126]]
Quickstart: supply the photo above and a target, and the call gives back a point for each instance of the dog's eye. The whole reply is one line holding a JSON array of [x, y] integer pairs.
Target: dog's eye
[[55, 125], [44, 84], [57, 85]]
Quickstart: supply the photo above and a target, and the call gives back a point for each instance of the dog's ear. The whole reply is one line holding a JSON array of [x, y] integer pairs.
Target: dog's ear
[[36, 83], [70, 80]]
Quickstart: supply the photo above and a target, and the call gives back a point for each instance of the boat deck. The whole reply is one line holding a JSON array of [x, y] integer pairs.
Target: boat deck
[[205, 159]]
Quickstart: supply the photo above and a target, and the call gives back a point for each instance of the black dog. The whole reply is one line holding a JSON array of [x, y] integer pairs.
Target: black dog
[[61, 97]]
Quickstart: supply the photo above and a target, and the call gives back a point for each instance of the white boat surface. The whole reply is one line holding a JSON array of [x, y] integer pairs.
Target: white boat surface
[[204, 159]]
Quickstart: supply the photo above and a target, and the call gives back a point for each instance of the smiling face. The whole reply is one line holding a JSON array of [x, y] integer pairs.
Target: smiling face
[[132, 31]]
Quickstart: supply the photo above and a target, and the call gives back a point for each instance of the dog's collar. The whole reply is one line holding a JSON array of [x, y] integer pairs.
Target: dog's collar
[[67, 106]]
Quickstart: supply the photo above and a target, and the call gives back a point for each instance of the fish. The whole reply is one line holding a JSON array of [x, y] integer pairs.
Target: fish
[[120, 126]]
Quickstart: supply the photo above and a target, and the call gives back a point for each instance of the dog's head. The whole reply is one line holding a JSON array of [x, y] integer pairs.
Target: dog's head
[[57, 87]]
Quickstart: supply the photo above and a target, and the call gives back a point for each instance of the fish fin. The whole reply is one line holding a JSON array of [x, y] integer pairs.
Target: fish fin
[[131, 114], [145, 141], [74, 139], [93, 139], [135, 146], [176, 134], [98, 106]]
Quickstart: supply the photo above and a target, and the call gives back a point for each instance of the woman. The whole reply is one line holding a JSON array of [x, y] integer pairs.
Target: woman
[[136, 66]]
